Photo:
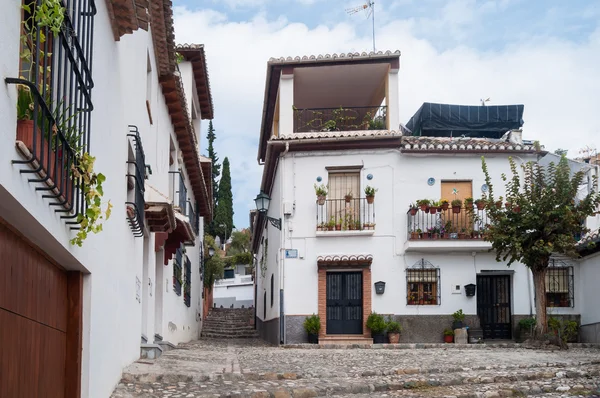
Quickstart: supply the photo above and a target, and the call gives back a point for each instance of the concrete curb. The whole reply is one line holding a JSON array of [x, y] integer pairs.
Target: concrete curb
[[406, 346]]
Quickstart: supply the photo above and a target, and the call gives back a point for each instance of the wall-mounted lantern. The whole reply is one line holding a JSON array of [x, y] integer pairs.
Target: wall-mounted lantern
[[470, 290], [379, 287]]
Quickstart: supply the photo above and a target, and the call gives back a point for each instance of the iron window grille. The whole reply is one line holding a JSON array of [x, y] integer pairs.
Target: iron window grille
[[177, 272], [423, 285], [560, 287], [136, 217], [187, 291], [272, 289], [56, 71]]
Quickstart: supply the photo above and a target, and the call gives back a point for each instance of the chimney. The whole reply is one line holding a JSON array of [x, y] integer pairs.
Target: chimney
[[516, 137]]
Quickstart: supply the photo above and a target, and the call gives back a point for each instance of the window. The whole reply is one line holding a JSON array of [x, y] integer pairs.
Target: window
[[341, 212], [272, 288], [265, 306], [559, 287], [340, 184], [423, 284], [177, 273], [187, 287], [229, 274]]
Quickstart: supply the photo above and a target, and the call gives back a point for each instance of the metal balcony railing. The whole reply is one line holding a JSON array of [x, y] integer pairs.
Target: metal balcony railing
[[136, 218], [177, 271], [193, 216], [179, 194], [187, 283], [355, 214], [340, 119], [54, 103], [466, 222]]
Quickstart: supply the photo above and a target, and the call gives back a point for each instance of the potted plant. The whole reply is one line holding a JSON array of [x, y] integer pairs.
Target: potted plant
[[498, 204], [456, 205], [458, 318], [321, 191], [423, 204], [419, 233], [469, 203], [338, 224], [312, 325], [357, 225], [370, 194], [463, 233], [448, 336], [376, 323], [331, 224], [480, 203], [433, 208], [526, 328], [412, 209], [393, 329], [444, 204], [414, 234], [348, 197]]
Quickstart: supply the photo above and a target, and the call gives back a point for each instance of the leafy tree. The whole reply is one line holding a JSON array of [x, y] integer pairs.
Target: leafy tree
[[561, 152], [240, 242], [223, 222], [213, 266], [542, 217]]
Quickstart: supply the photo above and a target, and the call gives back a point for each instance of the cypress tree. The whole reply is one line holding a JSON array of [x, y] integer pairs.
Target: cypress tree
[[216, 167], [224, 210]]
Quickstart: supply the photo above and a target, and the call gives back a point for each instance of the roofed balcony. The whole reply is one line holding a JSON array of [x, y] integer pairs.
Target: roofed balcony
[[340, 119]]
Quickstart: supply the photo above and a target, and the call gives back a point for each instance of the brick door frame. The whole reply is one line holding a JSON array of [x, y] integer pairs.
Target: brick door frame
[[366, 294]]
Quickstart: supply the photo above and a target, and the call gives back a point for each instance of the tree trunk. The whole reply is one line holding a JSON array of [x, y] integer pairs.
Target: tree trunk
[[539, 284]]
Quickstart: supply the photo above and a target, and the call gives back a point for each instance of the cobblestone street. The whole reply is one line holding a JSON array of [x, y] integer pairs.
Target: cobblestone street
[[248, 368]]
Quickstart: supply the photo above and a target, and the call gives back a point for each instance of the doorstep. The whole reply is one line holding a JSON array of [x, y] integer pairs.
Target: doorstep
[[345, 339]]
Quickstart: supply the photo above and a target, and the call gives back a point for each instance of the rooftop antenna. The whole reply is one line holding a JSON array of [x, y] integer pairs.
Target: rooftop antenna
[[369, 9], [483, 101]]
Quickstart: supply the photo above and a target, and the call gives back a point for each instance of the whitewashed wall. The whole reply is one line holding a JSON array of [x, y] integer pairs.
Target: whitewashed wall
[[113, 259], [589, 282]]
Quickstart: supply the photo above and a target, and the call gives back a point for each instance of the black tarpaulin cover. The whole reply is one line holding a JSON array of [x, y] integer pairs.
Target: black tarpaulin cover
[[444, 120]]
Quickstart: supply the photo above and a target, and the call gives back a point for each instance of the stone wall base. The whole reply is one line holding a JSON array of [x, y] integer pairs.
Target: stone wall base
[[269, 330], [590, 333]]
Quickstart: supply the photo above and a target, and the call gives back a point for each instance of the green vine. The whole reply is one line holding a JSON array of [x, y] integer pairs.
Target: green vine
[[91, 183], [339, 119], [263, 259]]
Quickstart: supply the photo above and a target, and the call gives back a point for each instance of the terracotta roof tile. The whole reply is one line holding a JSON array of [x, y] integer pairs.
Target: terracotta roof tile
[[454, 144], [335, 57]]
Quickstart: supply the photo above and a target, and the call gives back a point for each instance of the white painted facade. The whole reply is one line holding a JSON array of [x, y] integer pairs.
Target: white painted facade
[[117, 266]]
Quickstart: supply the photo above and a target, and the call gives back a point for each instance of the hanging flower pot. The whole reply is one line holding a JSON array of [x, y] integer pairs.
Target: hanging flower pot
[[480, 203], [321, 200], [413, 211], [445, 205], [498, 204], [370, 199], [456, 205], [433, 210]]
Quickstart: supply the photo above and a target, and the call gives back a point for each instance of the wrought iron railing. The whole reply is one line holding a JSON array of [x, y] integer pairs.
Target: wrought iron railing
[[193, 216], [187, 286], [135, 216], [345, 215], [177, 272], [54, 102], [179, 195], [466, 222], [340, 119]]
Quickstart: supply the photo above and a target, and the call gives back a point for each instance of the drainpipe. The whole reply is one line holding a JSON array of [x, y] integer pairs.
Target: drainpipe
[[282, 247]]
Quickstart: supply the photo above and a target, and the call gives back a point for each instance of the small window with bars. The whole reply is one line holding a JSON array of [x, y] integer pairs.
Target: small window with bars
[[423, 284], [177, 271], [187, 291], [560, 290]]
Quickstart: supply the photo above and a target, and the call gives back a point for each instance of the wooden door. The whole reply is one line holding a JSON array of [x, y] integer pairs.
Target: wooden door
[[493, 306], [344, 303], [40, 323]]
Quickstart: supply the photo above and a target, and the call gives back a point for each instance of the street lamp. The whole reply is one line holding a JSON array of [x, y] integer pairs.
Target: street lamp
[[211, 251], [262, 202]]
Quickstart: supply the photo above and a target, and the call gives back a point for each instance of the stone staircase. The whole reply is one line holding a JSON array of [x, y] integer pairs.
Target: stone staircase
[[229, 323]]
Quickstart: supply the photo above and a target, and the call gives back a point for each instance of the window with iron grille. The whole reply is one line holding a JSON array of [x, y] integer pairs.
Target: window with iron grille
[[560, 290], [423, 284], [187, 292], [272, 289], [177, 272]]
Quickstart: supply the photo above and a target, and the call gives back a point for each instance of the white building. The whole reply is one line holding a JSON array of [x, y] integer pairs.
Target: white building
[[334, 120], [73, 317]]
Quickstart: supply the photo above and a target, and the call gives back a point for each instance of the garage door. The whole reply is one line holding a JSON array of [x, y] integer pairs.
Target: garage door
[[34, 294]]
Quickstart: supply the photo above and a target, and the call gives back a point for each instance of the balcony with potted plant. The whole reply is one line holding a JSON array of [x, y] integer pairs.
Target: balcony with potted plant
[[439, 225], [348, 216]]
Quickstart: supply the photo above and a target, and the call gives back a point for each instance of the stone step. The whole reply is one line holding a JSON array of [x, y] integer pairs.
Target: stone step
[[229, 336]]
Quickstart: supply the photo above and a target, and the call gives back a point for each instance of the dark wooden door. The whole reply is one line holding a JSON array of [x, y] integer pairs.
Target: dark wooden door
[[344, 303], [493, 306], [36, 323]]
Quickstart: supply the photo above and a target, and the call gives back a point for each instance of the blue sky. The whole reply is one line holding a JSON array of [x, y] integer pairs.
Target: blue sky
[[541, 53]]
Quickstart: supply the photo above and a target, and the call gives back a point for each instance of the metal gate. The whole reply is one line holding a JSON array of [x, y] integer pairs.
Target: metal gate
[[493, 306], [344, 303]]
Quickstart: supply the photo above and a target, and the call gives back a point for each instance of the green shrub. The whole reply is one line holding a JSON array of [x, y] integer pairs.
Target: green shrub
[[566, 330], [312, 324], [458, 316], [448, 332], [376, 323], [393, 326], [527, 323]]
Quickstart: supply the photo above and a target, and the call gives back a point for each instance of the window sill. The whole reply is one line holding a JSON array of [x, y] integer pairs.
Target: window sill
[[365, 232]]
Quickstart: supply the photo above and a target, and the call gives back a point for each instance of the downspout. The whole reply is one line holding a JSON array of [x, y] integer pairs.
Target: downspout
[[282, 248]]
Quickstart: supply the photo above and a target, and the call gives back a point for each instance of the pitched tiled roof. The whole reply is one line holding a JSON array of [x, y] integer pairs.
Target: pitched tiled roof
[[589, 240], [338, 134], [195, 54], [334, 57], [163, 35], [345, 259], [454, 144], [127, 16]]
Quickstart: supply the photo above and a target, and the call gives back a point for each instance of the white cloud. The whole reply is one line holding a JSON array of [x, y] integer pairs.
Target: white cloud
[[557, 80]]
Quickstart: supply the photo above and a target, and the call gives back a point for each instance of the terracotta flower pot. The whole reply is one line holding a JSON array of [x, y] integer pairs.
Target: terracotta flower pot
[[423, 207], [394, 338], [370, 199], [433, 210], [413, 211], [338, 227], [449, 339], [321, 200], [480, 205], [445, 206], [455, 209], [348, 199]]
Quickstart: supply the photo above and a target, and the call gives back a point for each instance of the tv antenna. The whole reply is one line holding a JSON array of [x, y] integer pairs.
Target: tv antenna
[[369, 9], [483, 101]]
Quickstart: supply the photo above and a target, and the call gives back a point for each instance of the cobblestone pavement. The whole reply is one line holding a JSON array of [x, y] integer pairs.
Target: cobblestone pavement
[[249, 368]]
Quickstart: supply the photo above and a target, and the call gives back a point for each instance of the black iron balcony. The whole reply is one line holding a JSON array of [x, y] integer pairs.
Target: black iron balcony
[[135, 209], [432, 223], [179, 195], [355, 214], [340, 119], [193, 216], [177, 271]]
